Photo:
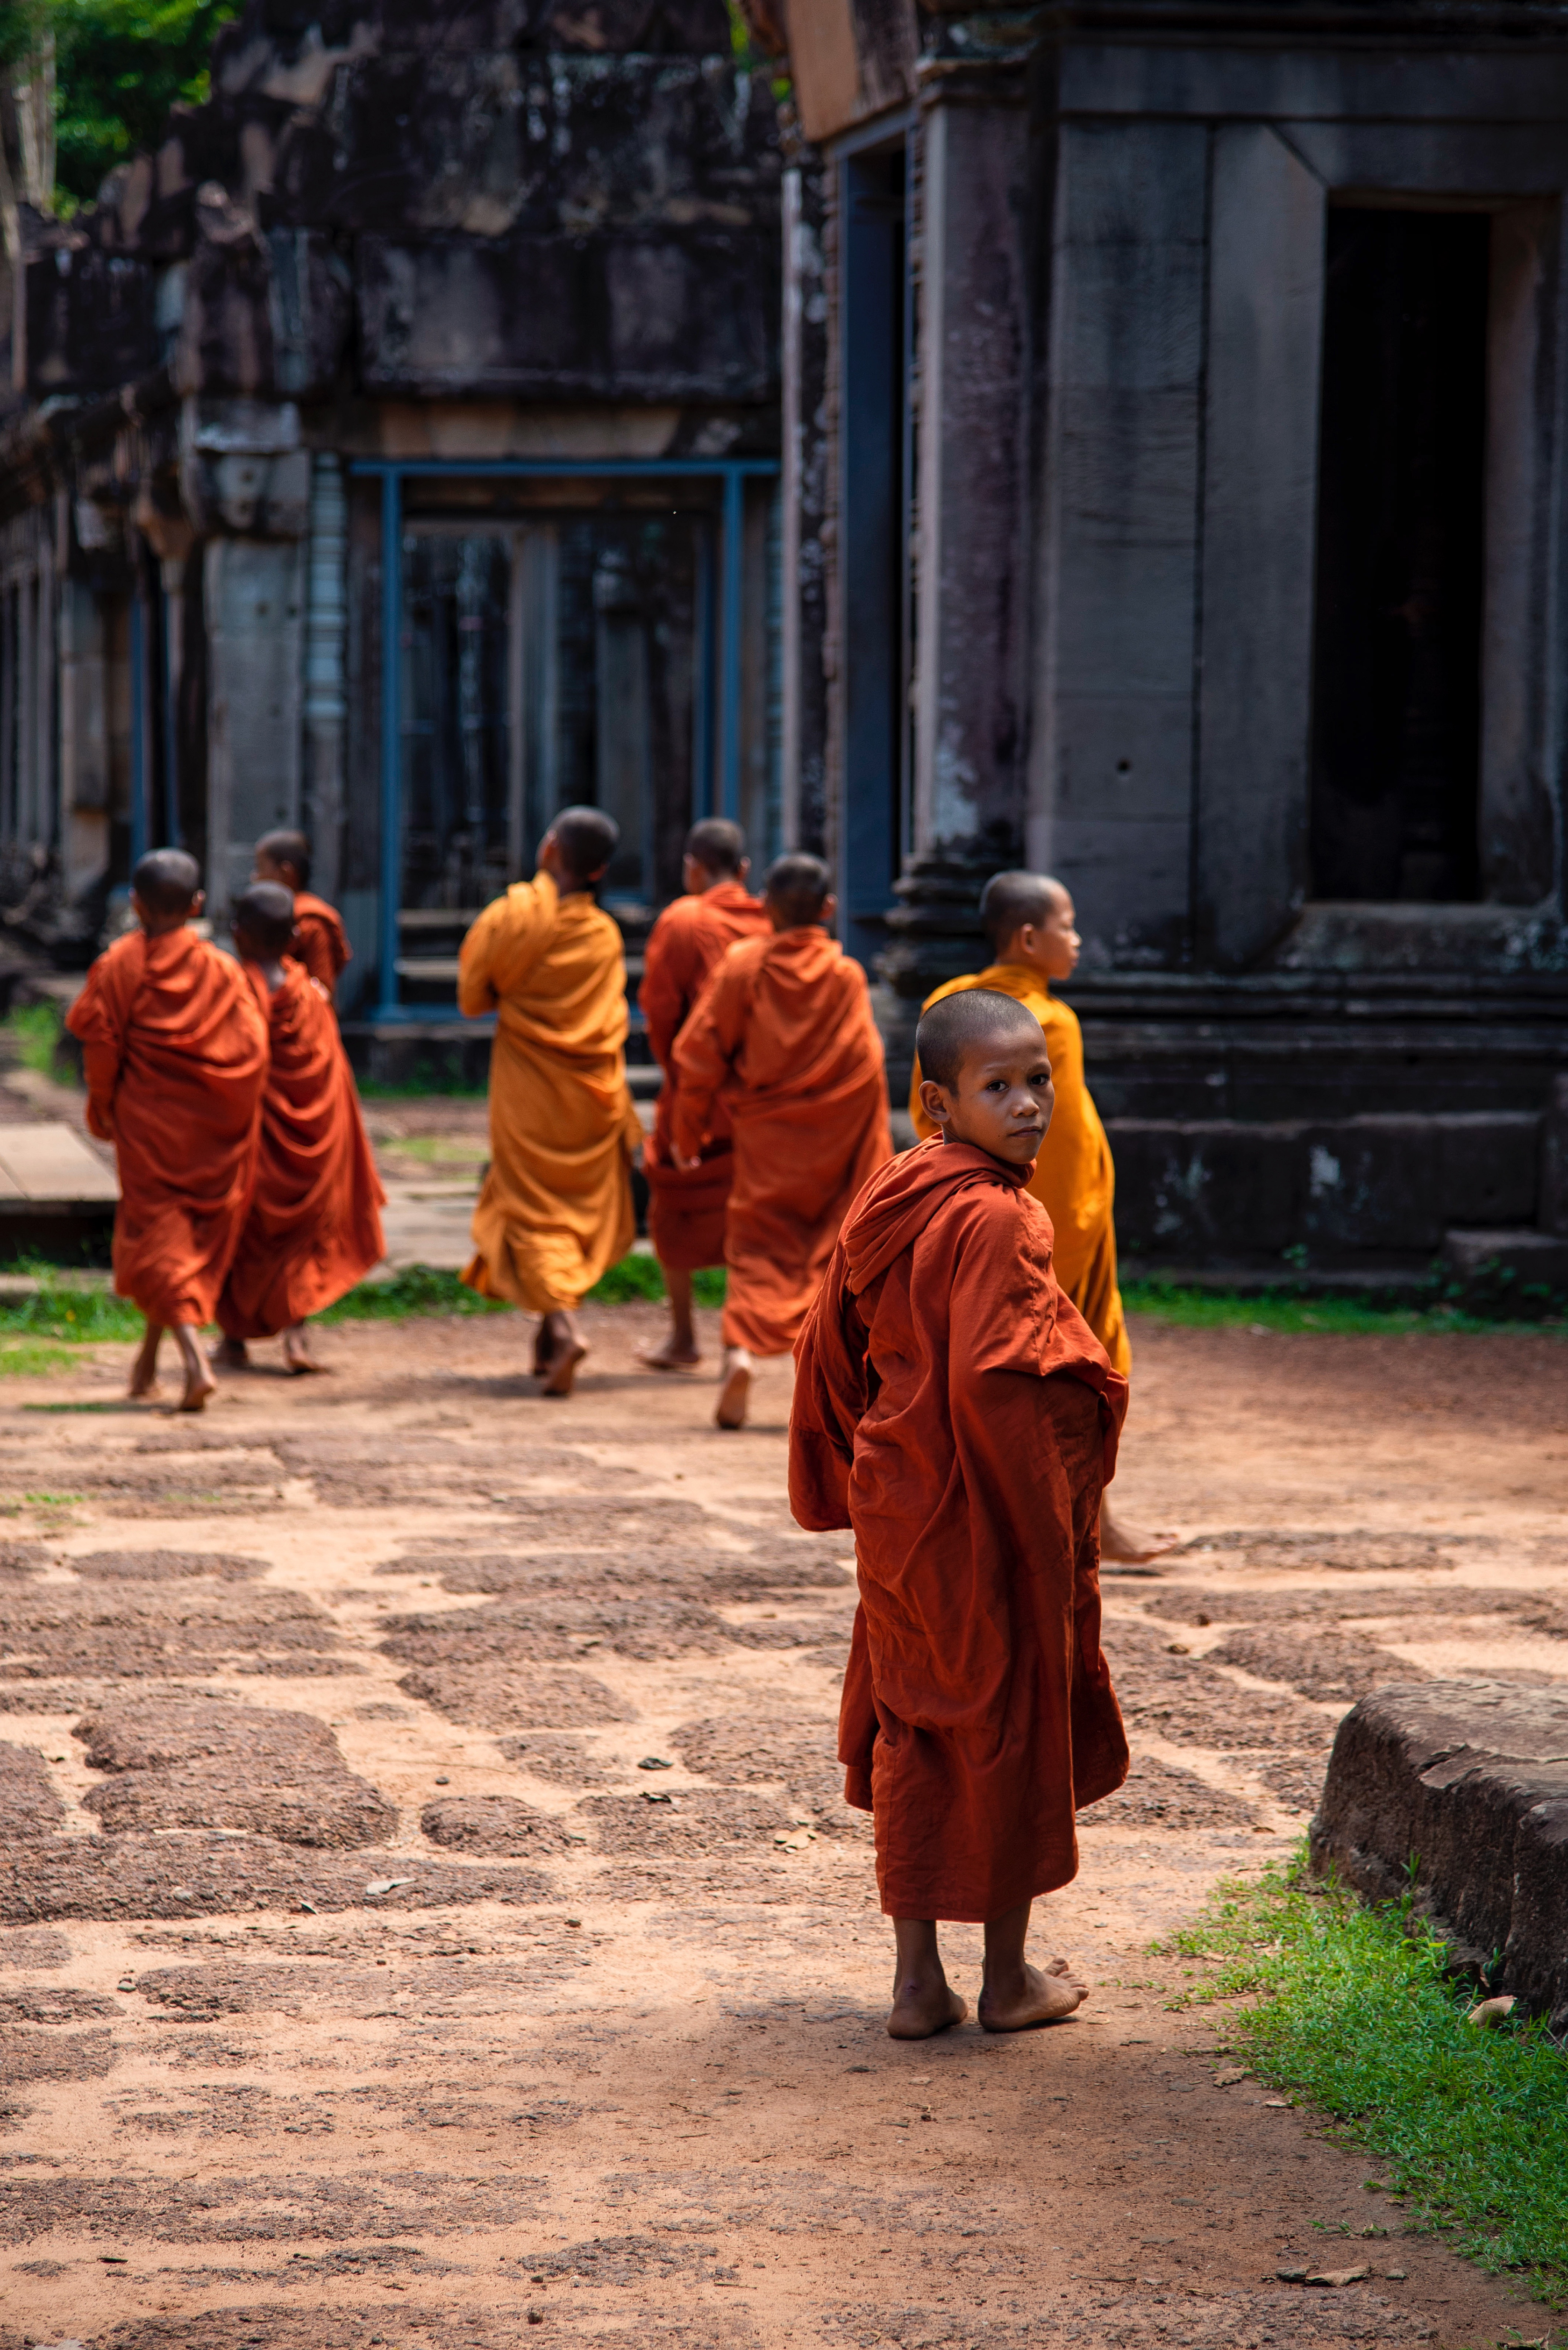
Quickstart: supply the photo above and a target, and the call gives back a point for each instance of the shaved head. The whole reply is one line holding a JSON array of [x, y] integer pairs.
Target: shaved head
[[166, 880], [263, 917], [588, 839], [1009, 900], [716, 844], [799, 887], [290, 848], [965, 1022]]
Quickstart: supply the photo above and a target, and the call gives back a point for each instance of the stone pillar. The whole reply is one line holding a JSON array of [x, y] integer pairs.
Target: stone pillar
[[254, 590], [326, 700], [973, 365], [805, 490]]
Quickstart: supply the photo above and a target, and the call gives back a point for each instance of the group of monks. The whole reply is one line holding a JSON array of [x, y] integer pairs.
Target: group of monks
[[954, 1312], [248, 1191]]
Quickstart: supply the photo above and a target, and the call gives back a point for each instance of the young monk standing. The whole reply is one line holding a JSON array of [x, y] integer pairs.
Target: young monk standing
[[315, 1224], [1030, 922], [782, 1037], [555, 1212], [686, 1204], [320, 942], [174, 1048], [954, 1408]]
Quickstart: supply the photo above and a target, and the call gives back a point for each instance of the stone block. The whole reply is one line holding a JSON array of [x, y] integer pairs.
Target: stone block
[[1494, 1267], [1551, 1213], [1459, 1790]]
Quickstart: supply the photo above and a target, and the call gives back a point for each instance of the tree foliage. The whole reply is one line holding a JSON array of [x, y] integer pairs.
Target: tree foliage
[[120, 64]]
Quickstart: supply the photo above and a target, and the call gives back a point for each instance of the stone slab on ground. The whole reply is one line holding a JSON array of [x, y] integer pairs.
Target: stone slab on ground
[[1461, 1787]]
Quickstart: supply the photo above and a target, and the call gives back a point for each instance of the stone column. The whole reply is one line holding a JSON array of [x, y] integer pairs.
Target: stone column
[[805, 490], [973, 367], [325, 708]]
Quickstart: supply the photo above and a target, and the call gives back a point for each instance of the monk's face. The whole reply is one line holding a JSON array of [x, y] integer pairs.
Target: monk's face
[[1003, 1100], [1051, 947], [274, 869]]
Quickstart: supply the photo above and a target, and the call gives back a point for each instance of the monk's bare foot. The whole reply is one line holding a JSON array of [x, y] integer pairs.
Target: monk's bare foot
[[297, 1358], [144, 1370], [563, 1368], [1036, 1995], [199, 1381], [923, 2007], [231, 1355], [734, 1388], [676, 1354], [1125, 1545]]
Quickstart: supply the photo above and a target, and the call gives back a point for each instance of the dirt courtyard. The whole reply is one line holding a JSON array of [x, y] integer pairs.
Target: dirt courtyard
[[426, 1912]]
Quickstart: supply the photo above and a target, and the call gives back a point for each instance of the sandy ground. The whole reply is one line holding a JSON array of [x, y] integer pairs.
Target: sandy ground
[[361, 1982]]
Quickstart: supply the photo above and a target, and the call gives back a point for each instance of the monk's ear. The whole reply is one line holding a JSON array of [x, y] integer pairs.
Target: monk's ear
[[934, 1101]]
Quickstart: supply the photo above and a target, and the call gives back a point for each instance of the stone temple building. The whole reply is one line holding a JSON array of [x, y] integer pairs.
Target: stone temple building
[[1175, 450], [1129, 439], [394, 451]]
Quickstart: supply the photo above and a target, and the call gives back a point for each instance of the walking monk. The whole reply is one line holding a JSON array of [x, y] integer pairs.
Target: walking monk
[[783, 1040], [953, 1407], [320, 942], [1030, 922], [555, 1212], [315, 1222], [174, 1048], [686, 1204]]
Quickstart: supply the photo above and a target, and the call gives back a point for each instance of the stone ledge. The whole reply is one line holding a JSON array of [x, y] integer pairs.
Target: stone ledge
[[1468, 1779]]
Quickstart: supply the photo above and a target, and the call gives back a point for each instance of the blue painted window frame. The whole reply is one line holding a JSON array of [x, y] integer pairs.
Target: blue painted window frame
[[732, 472]]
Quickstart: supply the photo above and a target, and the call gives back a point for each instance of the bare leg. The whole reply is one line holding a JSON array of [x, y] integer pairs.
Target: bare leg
[[297, 1356], [199, 1381], [231, 1355], [1015, 1996], [144, 1370], [1131, 1546], [923, 2001], [734, 1388], [560, 1349], [678, 1351]]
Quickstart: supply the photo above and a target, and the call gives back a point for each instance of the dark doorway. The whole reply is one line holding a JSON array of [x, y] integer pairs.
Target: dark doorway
[[874, 502], [1396, 687]]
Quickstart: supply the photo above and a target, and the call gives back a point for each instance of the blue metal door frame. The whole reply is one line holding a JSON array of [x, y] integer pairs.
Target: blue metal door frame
[[733, 473]]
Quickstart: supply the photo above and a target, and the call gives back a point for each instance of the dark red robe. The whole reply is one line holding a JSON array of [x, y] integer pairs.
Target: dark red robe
[[955, 1409]]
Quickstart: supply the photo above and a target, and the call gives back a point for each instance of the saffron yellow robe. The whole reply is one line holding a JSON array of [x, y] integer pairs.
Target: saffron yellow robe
[[555, 1212], [1075, 1179]]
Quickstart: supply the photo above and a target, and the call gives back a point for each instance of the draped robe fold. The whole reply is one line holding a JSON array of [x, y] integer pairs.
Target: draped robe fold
[[315, 1224], [320, 944], [555, 1210], [174, 1051], [782, 1036], [686, 1204], [1075, 1177], [954, 1409]]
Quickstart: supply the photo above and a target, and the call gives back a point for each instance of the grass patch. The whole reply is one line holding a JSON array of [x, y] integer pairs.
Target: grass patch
[[438, 1150], [33, 1033], [71, 1316], [1352, 2008], [1292, 1311], [420, 1289], [642, 1276], [23, 1360]]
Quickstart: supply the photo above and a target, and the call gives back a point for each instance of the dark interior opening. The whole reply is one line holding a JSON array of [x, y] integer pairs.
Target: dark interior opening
[[873, 531], [1395, 769]]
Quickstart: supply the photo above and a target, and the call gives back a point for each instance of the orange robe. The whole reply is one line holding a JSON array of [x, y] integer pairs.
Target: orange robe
[[686, 1205], [954, 1409], [555, 1212], [782, 1037], [1075, 1177], [315, 1222], [174, 1048], [320, 942]]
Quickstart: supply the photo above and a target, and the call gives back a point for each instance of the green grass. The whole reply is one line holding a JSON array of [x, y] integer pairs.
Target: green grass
[[76, 1317], [20, 1359], [1292, 1311], [33, 1033], [1351, 2008]]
